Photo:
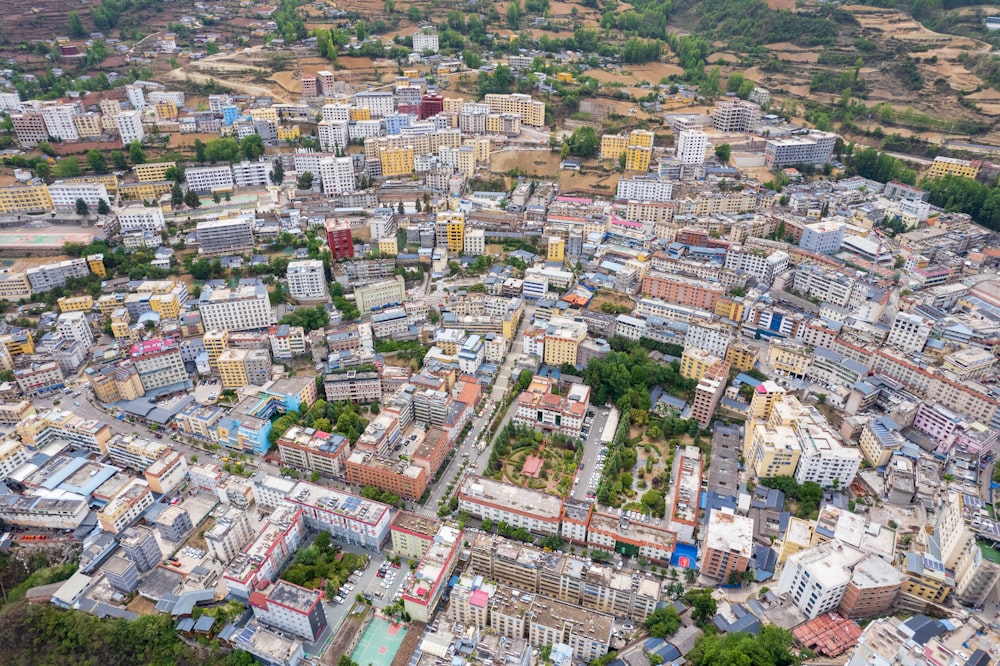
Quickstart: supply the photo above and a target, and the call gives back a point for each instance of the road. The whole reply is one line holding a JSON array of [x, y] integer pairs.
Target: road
[[467, 449], [591, 451]]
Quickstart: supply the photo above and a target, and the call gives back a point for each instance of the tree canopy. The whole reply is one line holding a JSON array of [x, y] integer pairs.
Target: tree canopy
[[771, 647]]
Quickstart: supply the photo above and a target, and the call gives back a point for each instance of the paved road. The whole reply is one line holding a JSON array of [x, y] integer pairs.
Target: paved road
[[591, 450], [467, 449]]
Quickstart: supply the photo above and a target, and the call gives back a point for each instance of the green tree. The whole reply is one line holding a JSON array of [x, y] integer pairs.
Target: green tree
[[305, 181], [514, 15], [96, 161], [135, 153], [723, 152], [771, 647], [583, 142], [176, 195], [192, 200], [277, 174], [663, 622], [75, 26], [67, 167], [252, 146], [82, 208], [103, 208], [199, 150], [118, 160]]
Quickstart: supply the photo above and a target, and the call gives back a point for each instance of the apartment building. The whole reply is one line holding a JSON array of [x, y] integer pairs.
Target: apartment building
[[159, 363], [709, 392], [75, 326], [338, 237], [412, 534], [38, 430], [290, 608], [873, 589], [532, 510], [260, 561], [695, 363], [65, 194], [353, 386], [728, 545], [815, 149], [309, 449], [736, 115], [692, 145], [242, 309], [59, 121], [380, 294], [562, 341], [764, 266], [307, 280], [206, 180], [231, 532], [141, 218], [541, 408], [230, 236], [532, 112], [950, 166], [430, 579], [909, 333], [816, 579], [25, 199], [129, 124], [39, 378], [29, 128], [682, 290], [126, 507], [140, 546], [645, 188]]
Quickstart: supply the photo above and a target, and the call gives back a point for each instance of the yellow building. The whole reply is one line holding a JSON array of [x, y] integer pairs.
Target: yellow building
[[481, 147], [397, 162], [145, 191], [108, 303], [75, 304], [121, 324], [108, 180], [730, 308], [18, 343], [452, 105], [25, 199], [411, 73], [564, 77], [613, 146], [165, 110], [216, 342], [741, 355], [789, 359], [151, 173], [14, 285], [556, 249], [95, 262], [388, 247], [642, 138], [532, 111], [637, 158], [288, 132], [696, 362], [763, 400], [949, 166], [359, 113], [232, 368], [465, 158], [771, 450], [166, 305], [930, 583], [266, 113], [88, 125], [798, 537], [563, 343], [454, 230]]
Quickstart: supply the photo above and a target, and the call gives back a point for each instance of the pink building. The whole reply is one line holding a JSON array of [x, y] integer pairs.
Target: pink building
[[939, 423]]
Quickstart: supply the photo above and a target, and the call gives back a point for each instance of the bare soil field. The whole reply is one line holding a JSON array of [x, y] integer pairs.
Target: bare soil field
[[544, 163]]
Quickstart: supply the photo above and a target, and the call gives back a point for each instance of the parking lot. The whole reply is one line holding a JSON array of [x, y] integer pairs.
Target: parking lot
[[594, 454]]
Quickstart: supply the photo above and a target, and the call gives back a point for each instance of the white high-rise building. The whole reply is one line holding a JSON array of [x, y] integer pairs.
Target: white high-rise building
[[909, 333], [74, 326], [130, 126], [816, 579], [136, 97], [333, 134], [59, 122], [644, 188], [424, 42], [141, 218], [692, 146], [337, 175], [239, 309], [306, 280]]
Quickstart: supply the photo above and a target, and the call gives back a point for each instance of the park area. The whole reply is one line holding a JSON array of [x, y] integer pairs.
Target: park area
[[535, 460]]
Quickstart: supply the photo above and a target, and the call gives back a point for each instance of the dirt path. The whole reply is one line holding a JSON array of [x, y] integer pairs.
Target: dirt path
[[249, 88]]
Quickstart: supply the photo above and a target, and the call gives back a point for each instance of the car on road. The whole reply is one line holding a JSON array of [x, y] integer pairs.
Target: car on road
[[76, 403]]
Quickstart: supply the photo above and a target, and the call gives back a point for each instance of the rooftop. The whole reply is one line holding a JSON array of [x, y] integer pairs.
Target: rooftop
[[510, 497]]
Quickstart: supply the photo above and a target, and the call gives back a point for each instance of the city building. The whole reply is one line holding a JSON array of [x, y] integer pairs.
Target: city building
[[307, 280], [430, 579], [229, 236], [532, 510], [241, 309], [728, 546], [290, 608], [541, 408]]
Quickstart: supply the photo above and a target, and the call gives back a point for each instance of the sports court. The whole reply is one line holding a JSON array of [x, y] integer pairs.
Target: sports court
[[379, 644], [43, 238]]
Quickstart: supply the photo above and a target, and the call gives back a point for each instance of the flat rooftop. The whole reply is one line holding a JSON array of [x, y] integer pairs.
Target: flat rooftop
[[730, 533], [416, 524], [507, 496], [293, 596]]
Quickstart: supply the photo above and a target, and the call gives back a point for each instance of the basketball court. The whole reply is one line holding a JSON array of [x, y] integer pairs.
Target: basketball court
[[379, 644]]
